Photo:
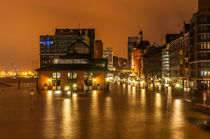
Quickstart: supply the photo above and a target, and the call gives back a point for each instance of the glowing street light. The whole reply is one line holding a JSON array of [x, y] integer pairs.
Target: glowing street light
[[177, 85], [107, 79], [66, 88], [49, 80], [74, 85]]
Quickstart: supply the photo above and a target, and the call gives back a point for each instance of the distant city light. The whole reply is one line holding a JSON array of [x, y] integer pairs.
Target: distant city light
[[23, 74], [68, 92], [177, 85]]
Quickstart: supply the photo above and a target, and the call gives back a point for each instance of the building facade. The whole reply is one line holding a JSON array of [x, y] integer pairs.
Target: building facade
[[108, 54], [175, 60], [76, 70], [131, 43], [152, 62], [55, 46], [98, 49], [120, 63], [200, 46], [165, 56], [137, 59]]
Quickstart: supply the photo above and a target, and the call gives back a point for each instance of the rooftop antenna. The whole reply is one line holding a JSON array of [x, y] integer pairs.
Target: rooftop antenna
[[79, 33]]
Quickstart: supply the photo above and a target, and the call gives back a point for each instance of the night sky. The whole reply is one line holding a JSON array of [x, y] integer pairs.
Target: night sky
[[23, 21]]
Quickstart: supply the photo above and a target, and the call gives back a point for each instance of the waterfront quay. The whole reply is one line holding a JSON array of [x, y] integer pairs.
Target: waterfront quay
[[121, 112]]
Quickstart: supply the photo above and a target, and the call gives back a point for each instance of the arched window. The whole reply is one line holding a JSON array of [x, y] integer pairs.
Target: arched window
[[56, 75], [79, 48]]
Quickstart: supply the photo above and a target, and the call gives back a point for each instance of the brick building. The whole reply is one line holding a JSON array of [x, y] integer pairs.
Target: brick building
[[153, 63], [200, 46], [77, 69], [98, 50], [138, 51], [131, 43], [120, 63]]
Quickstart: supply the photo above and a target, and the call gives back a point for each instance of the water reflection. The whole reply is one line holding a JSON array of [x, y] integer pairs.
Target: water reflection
[[177, 120], [94, 104], [158, 101], [142, 97], [131, 113], [49, 116], [124, 86], [66, 118]]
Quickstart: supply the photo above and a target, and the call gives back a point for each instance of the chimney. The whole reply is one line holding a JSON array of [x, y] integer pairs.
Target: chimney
[[140, 36]]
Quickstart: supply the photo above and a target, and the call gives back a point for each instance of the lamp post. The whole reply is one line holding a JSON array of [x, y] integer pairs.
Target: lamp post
[[94, 81], [107, 80], [31, 100]]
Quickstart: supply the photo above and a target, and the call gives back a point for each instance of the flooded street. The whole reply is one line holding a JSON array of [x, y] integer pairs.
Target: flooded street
[[122, 112]]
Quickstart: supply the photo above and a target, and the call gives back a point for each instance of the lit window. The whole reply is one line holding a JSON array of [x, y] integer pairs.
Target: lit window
[[202, 73], [204, 46], [205, 73], [88, 75], [56, 75], [72, 75]]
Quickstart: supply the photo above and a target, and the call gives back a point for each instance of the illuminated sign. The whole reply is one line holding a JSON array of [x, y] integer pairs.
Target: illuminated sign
[[48, 43]]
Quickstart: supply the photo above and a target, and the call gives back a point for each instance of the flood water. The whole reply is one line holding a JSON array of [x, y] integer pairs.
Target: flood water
[[122, 112]]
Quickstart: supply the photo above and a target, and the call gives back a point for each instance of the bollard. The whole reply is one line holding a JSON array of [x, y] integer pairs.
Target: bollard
[[31, 100]]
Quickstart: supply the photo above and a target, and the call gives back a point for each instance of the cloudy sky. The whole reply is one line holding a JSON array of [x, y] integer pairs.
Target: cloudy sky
[[23, 21]]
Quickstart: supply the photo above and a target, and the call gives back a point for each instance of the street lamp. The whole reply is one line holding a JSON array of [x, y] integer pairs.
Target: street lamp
[[74, 85], [107, 79], [49, 80], [94, 80]]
